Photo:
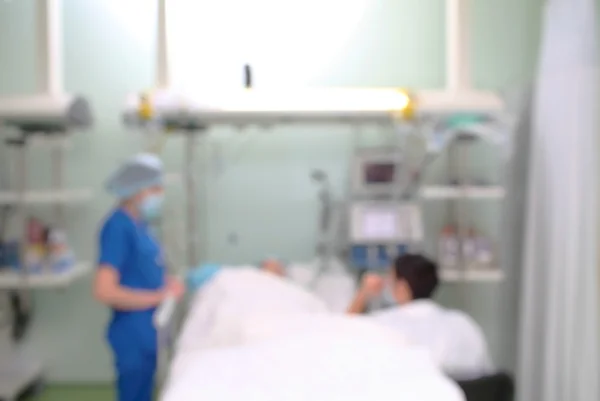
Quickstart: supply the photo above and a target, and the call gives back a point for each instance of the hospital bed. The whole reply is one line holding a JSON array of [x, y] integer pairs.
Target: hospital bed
[[282, 342]]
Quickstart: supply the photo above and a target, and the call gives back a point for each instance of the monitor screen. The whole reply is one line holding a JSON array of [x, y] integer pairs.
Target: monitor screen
[[379, 173]]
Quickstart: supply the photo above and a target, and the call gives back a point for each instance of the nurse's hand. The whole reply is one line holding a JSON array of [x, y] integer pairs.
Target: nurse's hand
[[372, 285], [175, 288]]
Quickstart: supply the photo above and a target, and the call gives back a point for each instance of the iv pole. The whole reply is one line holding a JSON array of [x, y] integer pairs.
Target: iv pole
[[190, 142]]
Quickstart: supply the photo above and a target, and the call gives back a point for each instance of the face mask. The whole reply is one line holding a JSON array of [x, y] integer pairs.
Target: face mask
[[151, 207]]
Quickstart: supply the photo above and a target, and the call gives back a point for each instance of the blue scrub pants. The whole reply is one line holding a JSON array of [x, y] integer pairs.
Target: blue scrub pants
[[136, 369]]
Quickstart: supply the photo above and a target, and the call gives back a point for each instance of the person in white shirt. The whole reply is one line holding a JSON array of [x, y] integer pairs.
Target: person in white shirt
[[454, 339]]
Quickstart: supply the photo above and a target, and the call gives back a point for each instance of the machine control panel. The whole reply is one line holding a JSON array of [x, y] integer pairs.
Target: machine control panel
[[381, 231], [375, 257], [385, 223]]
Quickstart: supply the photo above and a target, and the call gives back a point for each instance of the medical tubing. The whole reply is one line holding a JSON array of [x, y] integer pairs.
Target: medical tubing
[[20, 309], [7, 210], [5, 213], [158, 146], [21, 316], [191, 198]]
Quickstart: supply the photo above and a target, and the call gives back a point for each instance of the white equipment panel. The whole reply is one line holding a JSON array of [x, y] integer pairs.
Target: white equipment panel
[[385, 222]]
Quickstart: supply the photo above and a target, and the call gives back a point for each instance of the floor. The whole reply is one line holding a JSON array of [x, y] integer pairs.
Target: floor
[[96, 392], [75, 393]]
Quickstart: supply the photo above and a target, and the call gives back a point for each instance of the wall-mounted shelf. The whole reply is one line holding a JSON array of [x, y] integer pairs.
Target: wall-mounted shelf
[[480, 276], [50, 141], [33, 197], [13, 279], [460, 234], [462, 192]]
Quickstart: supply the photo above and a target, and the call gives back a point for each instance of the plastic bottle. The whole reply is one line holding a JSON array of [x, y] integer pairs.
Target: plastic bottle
[[35, 247], [448, 247], [484, 252], [469, 248], [60, 257]]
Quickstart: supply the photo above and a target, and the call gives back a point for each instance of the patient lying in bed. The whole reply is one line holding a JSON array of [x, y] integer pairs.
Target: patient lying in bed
[[334, 286], [225, 308]]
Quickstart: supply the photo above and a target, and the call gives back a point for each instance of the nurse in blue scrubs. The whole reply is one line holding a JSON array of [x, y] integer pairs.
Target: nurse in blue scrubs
[[131, 276]]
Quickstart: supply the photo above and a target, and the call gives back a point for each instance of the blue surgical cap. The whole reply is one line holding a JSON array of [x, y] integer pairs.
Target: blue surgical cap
[[136, 174], [202, 275]]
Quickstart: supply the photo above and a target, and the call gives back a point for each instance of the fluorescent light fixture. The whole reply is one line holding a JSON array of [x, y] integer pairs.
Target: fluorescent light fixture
[[301, 105]]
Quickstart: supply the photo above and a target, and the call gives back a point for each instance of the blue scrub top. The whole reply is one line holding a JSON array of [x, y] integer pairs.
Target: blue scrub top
[[129, 246]]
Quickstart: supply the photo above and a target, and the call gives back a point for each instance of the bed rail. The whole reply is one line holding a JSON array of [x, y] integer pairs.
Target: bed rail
[[165, 323], [164, 313]]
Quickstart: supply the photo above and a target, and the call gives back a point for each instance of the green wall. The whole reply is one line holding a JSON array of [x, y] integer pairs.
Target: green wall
[[259, 186]]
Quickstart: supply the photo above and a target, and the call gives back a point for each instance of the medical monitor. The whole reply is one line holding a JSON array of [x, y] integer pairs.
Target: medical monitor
[[384, 223], [376, 171]]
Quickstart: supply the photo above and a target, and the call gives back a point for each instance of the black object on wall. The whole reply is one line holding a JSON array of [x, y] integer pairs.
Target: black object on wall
[[247, 76], [21, 316]]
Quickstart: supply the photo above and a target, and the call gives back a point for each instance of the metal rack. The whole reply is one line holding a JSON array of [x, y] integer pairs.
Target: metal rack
[[45, 119], [19, 372], [456, 195], [57, 197]]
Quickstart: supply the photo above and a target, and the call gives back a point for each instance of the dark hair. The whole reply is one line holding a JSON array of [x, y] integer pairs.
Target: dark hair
[[419, 272]]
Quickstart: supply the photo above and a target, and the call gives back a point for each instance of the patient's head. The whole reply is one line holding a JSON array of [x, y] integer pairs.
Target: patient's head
[[413, 277], [273, 266]]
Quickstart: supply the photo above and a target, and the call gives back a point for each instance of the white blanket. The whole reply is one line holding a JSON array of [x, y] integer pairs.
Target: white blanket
[[325, 358], [255, 337], [225, 312]]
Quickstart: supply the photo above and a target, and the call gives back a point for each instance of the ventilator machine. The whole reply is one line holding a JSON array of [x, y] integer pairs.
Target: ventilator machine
[[384, 220]]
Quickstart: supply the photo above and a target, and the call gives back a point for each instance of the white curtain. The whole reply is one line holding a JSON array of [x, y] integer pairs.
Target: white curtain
[[513, 224], [559, 336]]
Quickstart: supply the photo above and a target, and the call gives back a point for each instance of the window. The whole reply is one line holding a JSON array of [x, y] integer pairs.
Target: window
[[287, 42]]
